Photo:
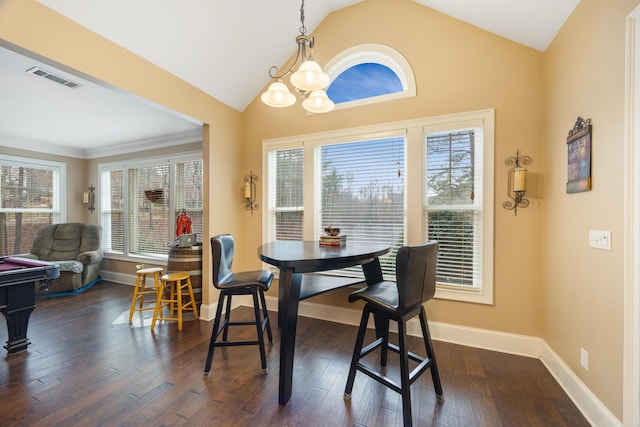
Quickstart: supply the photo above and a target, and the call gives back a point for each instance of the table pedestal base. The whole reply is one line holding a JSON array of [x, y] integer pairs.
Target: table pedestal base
[[17, 322]]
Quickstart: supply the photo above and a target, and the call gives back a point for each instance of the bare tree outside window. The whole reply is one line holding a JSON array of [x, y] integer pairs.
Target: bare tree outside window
[[136, 209], [451, 210], [26, 205]]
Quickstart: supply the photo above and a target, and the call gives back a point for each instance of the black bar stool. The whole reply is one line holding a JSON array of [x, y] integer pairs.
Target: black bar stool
[[253, 283], [400, 302]]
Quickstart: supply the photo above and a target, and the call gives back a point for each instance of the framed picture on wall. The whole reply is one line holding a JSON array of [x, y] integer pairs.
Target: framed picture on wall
[[579, 157]]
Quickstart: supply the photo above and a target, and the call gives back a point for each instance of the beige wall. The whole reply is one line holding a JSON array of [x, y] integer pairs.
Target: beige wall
[[584, 74], [458, 68], [38, 29]]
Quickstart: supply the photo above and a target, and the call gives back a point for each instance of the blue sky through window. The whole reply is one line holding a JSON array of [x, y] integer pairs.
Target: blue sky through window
[[363, 81]]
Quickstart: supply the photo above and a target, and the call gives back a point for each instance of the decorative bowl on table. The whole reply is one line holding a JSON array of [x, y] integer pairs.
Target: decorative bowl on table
[[332, 231]]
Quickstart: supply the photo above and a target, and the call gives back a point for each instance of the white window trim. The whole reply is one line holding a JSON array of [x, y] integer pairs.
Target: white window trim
[[484, 119], [59, 203], [138, 163], [268, 212], [414, 171], [377, 54], [316, 146]]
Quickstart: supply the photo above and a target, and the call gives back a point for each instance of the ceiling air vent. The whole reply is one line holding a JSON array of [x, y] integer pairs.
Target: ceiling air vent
[[47, 75]]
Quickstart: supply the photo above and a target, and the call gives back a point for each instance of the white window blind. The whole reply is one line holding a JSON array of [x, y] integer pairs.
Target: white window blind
[[362, 192], [453, 209], [149, 197], [286, 194], [112, 208], [400, 183], [140, 202], [188, 193], [29, 199]]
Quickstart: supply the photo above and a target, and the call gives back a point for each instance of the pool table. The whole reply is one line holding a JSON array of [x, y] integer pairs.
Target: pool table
[[18, 278]]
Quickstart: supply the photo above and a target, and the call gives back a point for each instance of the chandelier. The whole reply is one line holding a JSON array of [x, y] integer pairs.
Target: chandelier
[[309, 81]]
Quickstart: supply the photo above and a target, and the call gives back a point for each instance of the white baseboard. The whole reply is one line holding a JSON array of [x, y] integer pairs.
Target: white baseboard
[[590, 406], [208, 311], [491, 340], [112, 276]]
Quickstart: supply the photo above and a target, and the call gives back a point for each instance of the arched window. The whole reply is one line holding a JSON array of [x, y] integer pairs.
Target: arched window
[[369, 73]]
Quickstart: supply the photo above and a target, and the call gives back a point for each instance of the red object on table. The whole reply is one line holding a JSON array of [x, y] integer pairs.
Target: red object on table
[[183, 224]]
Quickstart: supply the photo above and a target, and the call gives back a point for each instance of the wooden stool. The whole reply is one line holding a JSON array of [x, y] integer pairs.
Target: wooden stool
[[176, 282], [141, 289]]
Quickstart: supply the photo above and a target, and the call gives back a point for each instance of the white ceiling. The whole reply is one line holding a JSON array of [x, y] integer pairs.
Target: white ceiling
[[91, 120], [222, 47]]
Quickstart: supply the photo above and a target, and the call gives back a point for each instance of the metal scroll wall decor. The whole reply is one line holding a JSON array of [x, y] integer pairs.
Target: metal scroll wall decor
[[517, 181], [249, 192]]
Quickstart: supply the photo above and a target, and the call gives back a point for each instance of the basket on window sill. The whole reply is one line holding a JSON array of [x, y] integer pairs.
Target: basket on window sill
[[155, 196]]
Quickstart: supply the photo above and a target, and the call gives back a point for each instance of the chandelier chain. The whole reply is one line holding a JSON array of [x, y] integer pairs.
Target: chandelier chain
[[309, 81], [303, 29]]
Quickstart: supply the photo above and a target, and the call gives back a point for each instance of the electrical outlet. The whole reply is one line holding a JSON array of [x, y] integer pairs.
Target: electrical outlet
[[584, 359], [600, 239]]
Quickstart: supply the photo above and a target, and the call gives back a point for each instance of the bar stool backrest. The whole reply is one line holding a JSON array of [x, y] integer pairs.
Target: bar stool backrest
[[222, 257], [416, 275]]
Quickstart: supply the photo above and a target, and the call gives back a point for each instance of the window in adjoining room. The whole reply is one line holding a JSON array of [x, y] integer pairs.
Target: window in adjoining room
[[141, 200], [367, 74], [31, 191], [399, 184]]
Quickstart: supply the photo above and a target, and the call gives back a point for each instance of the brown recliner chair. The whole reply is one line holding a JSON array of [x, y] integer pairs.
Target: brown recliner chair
[[76, 248]]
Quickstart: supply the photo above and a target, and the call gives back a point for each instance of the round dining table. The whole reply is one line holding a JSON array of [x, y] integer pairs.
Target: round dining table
[[296, 259]]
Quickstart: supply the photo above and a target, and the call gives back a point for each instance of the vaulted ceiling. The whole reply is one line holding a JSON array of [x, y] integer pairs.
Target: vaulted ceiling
[[188, 39]]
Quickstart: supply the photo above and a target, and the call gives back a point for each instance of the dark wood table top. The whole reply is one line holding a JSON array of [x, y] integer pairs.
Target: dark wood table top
[[309, 256], [295, 257]]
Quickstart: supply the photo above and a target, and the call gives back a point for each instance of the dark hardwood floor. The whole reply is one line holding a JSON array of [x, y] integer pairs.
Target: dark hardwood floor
[[87, 366]]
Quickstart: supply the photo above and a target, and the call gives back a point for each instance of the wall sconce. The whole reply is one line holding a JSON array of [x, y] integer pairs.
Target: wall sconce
[[250, 192], [89, 198], [517, 182]]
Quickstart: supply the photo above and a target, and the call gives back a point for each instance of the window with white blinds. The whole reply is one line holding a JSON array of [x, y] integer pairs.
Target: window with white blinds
[[189, 195], [401, 183], [30, 194], [453, 204], [286, 194], [141, 200], [112, 210], [149, 214], [362, 192], [360, 188]]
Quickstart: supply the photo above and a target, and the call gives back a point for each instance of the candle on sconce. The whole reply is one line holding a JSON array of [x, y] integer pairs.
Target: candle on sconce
[[519, 179], [247, 190], [85, 197]]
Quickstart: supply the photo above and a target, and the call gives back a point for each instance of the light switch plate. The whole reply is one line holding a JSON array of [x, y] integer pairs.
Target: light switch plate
[[600, 239]]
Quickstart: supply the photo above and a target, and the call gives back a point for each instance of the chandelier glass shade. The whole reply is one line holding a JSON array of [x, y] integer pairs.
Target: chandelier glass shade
[[310, 77], [318, 102], [278, 95], [309, 81]]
